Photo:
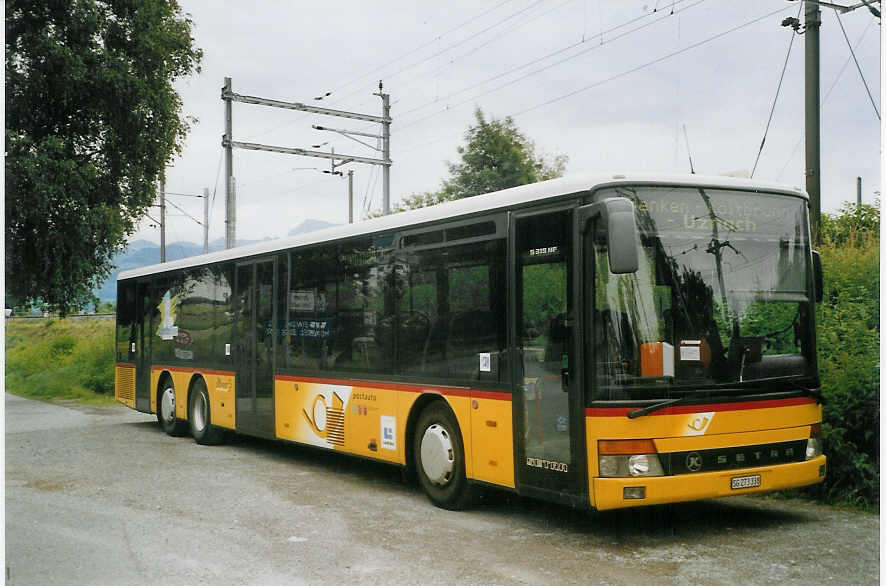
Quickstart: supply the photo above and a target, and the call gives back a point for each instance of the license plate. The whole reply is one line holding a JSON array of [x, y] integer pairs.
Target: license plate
[[739, 482]]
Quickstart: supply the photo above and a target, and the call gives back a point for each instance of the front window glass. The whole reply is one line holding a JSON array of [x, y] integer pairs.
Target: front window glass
[[720, 297]]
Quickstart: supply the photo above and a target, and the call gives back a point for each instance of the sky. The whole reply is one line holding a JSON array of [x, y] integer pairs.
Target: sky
[[615, 85]]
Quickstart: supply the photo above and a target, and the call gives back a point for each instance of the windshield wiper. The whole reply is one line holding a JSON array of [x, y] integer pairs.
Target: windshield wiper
[[651, 408]]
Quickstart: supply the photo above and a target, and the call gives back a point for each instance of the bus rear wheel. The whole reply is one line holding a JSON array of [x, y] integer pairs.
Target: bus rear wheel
[[440, 458], [166, 410], [202, 430]]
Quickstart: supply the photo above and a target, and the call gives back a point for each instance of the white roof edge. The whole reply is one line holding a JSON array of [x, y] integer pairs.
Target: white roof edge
[[481, 203]]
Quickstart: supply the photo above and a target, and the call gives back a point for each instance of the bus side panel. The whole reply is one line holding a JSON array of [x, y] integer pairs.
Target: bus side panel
[[155, 383], [492, 438], [124, 384], [220, 386], [461, 406], [370, 420], [180, 381], [354, 419]]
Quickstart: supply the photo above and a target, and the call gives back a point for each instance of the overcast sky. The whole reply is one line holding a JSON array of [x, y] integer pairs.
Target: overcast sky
[[609, 83]]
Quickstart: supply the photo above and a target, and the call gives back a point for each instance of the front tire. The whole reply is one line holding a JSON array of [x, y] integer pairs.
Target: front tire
[[440, 458], [166, 410], [199, 419]]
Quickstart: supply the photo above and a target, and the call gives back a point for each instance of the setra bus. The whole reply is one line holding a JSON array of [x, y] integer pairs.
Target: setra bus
[[599, 341]]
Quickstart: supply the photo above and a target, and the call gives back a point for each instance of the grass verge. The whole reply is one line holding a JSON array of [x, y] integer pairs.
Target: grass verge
[[61, 359]]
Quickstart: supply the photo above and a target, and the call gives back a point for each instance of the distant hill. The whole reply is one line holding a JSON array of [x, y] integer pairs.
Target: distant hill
[[310, 225], [141, 253]]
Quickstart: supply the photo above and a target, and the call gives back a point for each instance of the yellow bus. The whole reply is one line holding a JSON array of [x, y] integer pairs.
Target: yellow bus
[[600, 341]]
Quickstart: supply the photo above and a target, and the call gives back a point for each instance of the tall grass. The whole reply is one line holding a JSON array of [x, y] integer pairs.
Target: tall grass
[[60, 359]]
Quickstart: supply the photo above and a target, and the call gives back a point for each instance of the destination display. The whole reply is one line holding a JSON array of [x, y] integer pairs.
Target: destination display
[[694, 210]]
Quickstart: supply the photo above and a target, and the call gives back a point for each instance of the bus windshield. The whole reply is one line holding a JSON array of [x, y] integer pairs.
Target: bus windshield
[[721, 298]]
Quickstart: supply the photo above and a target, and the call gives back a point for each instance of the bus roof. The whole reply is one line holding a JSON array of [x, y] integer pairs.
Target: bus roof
[[514, 196]]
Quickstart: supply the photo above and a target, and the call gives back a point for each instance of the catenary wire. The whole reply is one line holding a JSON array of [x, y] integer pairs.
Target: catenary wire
[[824, 99], [857, 66], [775, 99], [546, 67], [402, 56], [647, 64], [547, 56], [420, 47], [417, 78], [655, 61], [185, 213]]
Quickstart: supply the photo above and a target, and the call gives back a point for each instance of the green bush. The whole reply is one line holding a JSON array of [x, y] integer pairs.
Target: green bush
[[61, 360], [849, 354]]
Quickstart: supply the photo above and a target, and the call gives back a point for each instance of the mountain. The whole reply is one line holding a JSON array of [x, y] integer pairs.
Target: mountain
[[141, 253], [310, 225]]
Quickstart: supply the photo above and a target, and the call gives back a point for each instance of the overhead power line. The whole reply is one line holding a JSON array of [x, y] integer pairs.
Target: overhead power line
[[824, 99], [857, 66], [338, 100], [649, 63], [454, 45], [405, 152], [549, 55], [417, 78], [185, 213], [183, 194], [419, 48], [511, 82], [777, 92]]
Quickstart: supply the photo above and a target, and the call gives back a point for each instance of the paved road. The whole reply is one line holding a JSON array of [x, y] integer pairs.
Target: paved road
[[102, 496]]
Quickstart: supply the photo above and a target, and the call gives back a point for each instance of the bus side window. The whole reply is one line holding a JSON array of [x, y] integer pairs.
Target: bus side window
[[312, 301], [451, 310]]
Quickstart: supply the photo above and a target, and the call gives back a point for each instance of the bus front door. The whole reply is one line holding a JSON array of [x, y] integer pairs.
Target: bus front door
[[548, 412], [254, 348], [144, 308]]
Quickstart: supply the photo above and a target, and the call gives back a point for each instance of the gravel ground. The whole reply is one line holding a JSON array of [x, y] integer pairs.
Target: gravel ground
[[102, 496]]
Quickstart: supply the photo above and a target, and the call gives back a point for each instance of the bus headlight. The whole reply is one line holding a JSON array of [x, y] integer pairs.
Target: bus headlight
[[609, 465], [628, 458], [639, 465], [813, 444]]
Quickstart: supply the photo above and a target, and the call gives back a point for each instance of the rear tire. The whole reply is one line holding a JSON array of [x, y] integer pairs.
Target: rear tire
[[440, 458], [199, 418], [166, 410]]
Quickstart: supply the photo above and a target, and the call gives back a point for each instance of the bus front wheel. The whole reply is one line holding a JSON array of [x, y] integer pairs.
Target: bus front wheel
[[202, 430], [440, 458], [166, 410]]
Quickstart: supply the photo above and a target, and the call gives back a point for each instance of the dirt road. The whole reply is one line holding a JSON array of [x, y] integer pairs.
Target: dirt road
[[102, 496]]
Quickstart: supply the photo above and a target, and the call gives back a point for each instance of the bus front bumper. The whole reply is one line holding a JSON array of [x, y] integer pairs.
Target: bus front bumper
[[610, 493]]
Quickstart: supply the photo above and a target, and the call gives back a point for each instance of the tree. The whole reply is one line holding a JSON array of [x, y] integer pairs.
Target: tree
[[496, 155], [91, 120]]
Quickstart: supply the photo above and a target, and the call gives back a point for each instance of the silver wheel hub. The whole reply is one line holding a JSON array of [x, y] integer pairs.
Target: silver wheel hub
[[199, 413], [167, 405], [437, 454]]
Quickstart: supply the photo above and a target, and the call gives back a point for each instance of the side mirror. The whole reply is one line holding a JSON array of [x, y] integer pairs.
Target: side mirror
[[817, 276], [617, 213]]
